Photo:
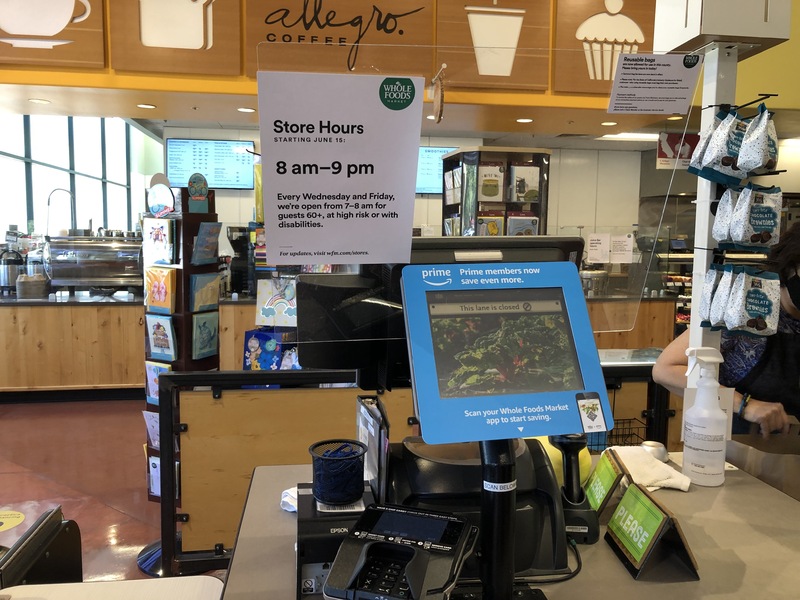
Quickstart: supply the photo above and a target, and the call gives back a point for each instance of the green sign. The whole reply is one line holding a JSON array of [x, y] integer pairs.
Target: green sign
[[601, 482], [397, 93], [636, 523]]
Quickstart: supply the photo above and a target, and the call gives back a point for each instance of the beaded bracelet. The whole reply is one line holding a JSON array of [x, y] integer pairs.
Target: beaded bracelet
[[745, 400]]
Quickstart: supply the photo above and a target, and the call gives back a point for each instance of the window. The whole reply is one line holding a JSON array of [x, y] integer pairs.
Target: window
[[116, 151], [13, 139], [118, 207], [74, 176], [14, 210], [88, 146], [88, 203], [52, 201], [50, 140]]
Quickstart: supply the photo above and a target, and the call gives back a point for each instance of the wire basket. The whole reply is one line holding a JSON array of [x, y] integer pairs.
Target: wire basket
[[626, 432]]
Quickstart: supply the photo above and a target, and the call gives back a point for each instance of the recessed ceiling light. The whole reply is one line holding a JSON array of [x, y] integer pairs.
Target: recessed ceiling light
[[608, 123], [38, 101], [245, 109], [632, 137], [524, 120], [147, 106], [675, 118]]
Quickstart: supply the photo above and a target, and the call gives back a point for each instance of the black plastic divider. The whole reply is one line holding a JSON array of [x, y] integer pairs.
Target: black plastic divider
[[173, 560]]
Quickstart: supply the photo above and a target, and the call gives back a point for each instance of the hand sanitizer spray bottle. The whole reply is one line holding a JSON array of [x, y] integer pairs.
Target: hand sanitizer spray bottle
[[705, 423]]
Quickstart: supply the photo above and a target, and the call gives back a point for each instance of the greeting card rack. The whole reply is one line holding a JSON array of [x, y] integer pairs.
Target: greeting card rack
[[182, 326]]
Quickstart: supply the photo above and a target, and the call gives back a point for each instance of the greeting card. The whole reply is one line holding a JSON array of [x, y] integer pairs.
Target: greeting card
[[152, 370], [158, 247], [206, 243], [204, 291], [205, 334], [161, 334], [275, 302], [262, 350], [153, 431], [159, 290]]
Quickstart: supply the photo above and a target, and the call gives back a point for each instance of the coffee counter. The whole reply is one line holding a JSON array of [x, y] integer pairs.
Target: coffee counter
[[84, 342], [98, 341]]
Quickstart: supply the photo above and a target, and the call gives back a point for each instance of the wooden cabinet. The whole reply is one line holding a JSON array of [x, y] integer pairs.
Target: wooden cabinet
[[71, 346], [495, 191]]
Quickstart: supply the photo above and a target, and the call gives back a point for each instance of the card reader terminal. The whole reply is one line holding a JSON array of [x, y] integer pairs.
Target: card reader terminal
[[396, 552]]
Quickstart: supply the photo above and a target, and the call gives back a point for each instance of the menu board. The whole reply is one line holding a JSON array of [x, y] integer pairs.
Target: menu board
[[226, 164]]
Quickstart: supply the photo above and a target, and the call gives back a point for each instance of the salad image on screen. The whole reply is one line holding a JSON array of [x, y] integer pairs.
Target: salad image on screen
[[520, 349]]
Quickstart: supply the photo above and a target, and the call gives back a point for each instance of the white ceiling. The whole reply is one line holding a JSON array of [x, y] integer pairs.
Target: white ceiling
[[496, 125], [552, 127]]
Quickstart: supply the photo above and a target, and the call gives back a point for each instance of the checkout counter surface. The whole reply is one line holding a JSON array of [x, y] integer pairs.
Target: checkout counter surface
[[63, 297], [743, 535], [195, 587]]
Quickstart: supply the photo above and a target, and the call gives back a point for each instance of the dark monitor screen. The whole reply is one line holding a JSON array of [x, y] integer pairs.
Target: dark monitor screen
[[355, 321], [678, 246]]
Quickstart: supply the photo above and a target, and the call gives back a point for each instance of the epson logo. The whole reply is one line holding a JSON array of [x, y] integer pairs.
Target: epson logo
[[339, 530], [435, 273]]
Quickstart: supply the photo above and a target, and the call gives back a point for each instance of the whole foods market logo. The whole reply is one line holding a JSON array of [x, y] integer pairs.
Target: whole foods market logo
[[397, 93], [691, 60]]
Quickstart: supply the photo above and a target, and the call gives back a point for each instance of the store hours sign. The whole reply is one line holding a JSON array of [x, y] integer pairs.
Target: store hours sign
[[339, 157]]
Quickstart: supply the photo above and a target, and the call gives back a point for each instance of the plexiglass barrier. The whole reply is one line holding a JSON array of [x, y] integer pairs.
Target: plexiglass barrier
[[621, 265]]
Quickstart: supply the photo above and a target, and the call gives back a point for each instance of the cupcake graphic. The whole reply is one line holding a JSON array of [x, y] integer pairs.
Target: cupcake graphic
[[605, 36]]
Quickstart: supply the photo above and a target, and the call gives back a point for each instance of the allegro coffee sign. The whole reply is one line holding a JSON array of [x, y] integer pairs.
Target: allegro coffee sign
[[338, 35]]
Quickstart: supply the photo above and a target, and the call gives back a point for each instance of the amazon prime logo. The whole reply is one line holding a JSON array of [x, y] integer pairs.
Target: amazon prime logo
[[435, 273]]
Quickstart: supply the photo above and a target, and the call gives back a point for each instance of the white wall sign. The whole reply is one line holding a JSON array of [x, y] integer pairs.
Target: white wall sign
[[339, 158], [599, 248], [621, 248], [654, 83]]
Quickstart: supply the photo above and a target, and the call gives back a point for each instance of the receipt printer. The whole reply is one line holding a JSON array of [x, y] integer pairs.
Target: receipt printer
[[320, 531], [396, 552]]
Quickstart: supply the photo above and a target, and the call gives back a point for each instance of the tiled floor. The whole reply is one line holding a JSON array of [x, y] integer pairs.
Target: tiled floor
[[88, 457]]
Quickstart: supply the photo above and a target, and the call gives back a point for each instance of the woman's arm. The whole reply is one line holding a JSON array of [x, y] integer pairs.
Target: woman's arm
[[670, 368], [670, 372]]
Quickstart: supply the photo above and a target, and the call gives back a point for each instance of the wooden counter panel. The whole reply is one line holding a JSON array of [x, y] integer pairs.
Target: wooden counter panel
[[72, 347], [653, 323], [234, 319]]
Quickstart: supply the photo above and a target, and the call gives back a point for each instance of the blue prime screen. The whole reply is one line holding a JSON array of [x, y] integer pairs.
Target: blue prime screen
[[508, 341]]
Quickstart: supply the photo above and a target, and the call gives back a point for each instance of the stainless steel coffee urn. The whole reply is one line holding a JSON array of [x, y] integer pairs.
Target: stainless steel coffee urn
[[11, 266]]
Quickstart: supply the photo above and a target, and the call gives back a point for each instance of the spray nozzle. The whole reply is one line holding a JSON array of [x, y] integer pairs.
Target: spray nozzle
[[707, 358]]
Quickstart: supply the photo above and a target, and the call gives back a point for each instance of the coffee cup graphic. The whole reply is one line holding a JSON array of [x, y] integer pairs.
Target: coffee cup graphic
[[40, 19], [495, 35]]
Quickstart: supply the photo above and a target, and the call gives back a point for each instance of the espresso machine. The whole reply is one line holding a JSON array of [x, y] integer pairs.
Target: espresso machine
[[242, 266]]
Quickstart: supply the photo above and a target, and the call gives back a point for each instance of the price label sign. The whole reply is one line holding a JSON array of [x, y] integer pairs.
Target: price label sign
[[636, 523], [604, 480], [639, 524]]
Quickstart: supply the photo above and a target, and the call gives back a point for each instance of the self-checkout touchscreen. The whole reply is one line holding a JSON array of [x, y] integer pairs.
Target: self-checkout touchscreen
[[499, 351]]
